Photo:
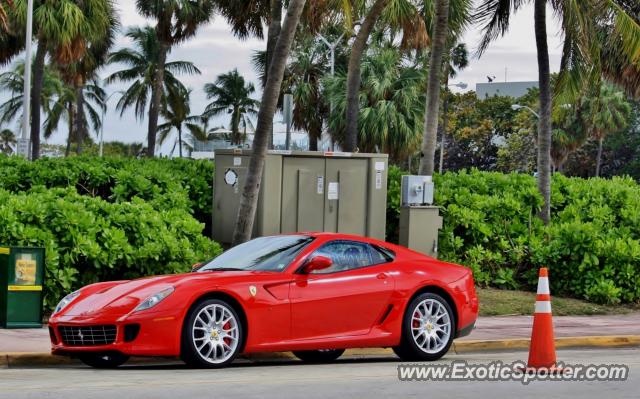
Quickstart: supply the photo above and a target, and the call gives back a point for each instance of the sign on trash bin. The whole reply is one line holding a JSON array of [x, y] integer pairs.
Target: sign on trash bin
[[21, 280]]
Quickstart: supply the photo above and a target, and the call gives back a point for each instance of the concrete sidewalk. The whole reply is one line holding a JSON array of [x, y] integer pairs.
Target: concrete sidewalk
[[501, 328]]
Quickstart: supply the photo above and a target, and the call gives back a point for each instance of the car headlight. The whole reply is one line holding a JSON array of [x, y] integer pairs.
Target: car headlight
[[66, 301], [155, 299]]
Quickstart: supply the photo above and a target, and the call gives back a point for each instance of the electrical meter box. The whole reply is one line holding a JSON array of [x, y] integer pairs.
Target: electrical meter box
[[21, 280], [417, 190], [304, 191], [420, 222]]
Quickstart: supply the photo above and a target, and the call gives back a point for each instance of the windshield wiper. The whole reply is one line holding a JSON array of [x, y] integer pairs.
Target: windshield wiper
[[224, 269]]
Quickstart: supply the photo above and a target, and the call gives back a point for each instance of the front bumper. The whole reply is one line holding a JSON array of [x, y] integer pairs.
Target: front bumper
[[158, 334]]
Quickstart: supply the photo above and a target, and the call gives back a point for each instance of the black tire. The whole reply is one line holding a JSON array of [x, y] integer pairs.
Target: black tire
[[110, 360], [319, 356], [409, 350], [189, 352]]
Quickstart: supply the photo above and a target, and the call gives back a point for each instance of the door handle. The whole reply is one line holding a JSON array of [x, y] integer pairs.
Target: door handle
[[381, 276]]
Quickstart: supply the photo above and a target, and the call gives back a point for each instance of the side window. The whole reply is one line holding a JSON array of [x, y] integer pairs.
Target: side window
[[349, 255], [379, 255]]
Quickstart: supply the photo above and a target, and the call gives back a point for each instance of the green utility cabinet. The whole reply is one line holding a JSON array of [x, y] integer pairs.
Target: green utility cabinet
[[304, 191], [21, 281]]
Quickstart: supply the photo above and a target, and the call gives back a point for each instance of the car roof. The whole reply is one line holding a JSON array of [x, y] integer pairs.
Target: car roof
[[341, 236]]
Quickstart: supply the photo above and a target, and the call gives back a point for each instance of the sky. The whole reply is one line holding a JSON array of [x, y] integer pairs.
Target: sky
[[215, 51]]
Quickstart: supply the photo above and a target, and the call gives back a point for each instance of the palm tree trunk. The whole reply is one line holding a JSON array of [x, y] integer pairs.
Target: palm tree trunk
[[544, 129], [274, 31], [353, 74], [599, 156], [440, 32], [235, 127], [71, 123], [180, 140], [80, 122], [314, 135], [445, 122], [156, 99], [36, 98], [270, 95]]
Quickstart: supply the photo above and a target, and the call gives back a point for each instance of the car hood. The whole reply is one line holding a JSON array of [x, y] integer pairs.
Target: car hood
[[122, 297]]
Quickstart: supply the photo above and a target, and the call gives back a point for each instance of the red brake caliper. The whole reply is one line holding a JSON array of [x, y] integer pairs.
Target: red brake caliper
[[226, 327], [415, 322]]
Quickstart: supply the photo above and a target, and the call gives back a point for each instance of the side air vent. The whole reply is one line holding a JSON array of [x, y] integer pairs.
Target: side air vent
[[386, 314]]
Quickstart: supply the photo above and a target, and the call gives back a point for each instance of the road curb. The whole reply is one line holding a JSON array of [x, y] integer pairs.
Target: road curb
[[21, 359], [609, 341]]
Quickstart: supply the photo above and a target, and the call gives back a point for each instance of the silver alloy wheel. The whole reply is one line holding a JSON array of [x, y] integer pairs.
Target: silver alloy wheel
[[431, 326], [215, 333]]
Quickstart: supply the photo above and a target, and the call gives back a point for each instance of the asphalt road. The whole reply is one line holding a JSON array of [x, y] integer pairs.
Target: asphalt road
[[348, 378]]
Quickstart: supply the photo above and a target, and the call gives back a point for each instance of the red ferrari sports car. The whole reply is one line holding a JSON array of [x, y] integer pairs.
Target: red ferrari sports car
[[315, 294]]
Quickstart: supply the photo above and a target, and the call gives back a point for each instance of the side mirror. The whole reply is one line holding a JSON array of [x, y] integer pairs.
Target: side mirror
[[196, 266], [317, 263]]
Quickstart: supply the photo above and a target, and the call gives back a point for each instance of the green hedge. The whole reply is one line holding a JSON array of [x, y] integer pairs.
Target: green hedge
[[118, 179], [591, 246], [118, 218], [88, 239], [107, 219]]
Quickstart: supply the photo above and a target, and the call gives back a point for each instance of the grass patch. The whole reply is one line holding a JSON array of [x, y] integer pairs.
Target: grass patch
[[495, 302]]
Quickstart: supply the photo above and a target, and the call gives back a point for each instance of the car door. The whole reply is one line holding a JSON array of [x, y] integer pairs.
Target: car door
[[346, 299]]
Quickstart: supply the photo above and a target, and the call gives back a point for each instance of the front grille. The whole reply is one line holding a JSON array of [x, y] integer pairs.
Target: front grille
[[88, 336]]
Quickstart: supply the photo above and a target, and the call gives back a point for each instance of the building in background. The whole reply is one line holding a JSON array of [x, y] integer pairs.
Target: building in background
[[510, 89]]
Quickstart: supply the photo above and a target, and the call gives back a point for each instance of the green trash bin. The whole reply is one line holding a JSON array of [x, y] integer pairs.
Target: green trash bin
[[21, 281]]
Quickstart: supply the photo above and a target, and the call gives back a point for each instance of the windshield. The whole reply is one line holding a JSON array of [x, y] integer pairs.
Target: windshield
[[264, 253]]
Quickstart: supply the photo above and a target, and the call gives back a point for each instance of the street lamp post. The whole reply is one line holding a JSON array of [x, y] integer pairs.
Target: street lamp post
[[517, 107], [332, 57], [24, 144], [287, 105]]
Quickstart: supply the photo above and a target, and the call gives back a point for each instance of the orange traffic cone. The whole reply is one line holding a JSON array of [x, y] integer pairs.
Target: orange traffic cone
[[542, 350]]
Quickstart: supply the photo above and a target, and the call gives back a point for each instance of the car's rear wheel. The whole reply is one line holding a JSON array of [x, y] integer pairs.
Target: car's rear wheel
[[319, 356], [427, 329], [109, 360], [212, 335]]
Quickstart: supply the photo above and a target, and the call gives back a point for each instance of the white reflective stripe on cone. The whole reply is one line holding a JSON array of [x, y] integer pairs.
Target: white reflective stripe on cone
[[543, 307], [543, 285]]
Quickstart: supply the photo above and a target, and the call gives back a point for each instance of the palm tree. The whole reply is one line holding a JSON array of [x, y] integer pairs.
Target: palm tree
[[66, 108], [231, 94], [391, 105], [247, 17], [4, 26], [608, 113], [569, 133], [432, 107], [63, 29], [12, 82], [249, 199], [81, 77], [10, 42], [7, 141], [176, 22], [142, 62], [583, 23], [404, 15], [353, 74], [198, 130], [176, 112], [303, 80]]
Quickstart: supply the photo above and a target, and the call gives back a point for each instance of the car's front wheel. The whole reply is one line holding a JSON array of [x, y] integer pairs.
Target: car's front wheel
[[109, 360], [212, 335], [427, 329], [319, 356]]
